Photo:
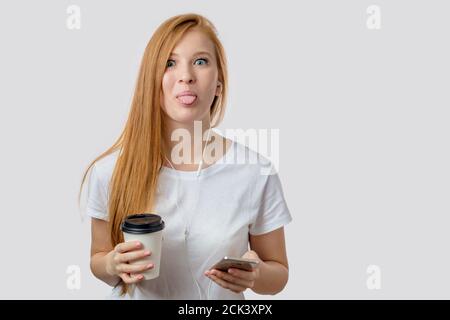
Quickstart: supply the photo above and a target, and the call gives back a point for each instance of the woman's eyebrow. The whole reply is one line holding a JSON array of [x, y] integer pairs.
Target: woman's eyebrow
[[195, 54]]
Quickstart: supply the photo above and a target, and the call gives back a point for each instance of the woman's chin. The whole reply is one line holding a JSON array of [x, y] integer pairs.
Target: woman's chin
[[186, 116]]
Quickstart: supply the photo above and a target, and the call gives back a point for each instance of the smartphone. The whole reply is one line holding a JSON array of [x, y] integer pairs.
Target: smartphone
[[238, 263]]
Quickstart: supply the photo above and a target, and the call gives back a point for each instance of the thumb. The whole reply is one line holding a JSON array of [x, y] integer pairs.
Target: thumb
[[251, 255]]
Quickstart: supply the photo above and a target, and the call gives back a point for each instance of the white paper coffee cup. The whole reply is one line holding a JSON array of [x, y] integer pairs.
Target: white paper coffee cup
[[146, 228]]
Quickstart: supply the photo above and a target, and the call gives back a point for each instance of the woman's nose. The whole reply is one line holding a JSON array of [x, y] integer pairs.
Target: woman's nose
[[187, 76]]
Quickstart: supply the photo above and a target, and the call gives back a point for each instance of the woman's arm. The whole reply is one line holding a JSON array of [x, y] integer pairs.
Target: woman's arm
[[274, 268], [101, 250]]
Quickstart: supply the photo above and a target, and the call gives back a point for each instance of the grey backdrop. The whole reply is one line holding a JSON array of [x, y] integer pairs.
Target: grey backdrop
[[363, 117]]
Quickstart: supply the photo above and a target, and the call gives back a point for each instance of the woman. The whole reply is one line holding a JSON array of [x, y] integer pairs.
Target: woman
[[211, 208]]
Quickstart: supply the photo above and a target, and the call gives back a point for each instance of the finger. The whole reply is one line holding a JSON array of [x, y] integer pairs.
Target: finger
[[134, 268], [133, 255], [131, 278], [227, 285], [127, 246], [232, 279], [242, 274]]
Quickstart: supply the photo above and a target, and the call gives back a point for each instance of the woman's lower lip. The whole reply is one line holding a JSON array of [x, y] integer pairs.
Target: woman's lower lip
[[187, 100]]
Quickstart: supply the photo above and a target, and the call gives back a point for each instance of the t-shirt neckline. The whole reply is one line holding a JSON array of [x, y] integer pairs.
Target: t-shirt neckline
[[204, 172]]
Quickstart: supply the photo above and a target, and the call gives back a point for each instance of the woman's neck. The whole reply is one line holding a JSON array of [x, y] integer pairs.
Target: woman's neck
[[185, 143]]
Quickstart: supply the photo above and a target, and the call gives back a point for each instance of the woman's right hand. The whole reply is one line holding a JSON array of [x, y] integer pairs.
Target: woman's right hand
[[118, 261]]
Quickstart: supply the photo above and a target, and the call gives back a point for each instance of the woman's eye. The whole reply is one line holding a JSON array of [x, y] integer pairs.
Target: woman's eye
[[170, 63], [205, 61], [199, 62]]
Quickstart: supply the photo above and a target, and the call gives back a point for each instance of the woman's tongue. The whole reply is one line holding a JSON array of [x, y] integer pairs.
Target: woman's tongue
[[187, 99]]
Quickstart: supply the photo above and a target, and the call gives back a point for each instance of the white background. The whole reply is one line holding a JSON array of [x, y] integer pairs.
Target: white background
[[364, 128]]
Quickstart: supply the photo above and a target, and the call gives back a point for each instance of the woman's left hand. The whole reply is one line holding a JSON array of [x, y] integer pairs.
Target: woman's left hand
[[236, 280]]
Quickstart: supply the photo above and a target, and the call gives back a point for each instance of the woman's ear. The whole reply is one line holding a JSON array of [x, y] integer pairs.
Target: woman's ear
[[219, 88]]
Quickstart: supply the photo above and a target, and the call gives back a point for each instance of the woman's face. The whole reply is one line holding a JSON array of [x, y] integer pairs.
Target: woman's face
[[190, 80]]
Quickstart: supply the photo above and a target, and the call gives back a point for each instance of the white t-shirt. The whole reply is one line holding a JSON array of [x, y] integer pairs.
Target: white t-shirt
[[230, 199]]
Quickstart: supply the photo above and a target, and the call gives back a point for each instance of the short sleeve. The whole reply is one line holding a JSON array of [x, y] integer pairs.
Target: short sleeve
[[97, 202], [271, 209]]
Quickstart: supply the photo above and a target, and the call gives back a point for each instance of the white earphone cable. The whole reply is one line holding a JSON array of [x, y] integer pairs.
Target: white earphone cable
[[176, 203]]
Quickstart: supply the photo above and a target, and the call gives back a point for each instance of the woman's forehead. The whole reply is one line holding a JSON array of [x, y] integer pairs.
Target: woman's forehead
[[194, 42]]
